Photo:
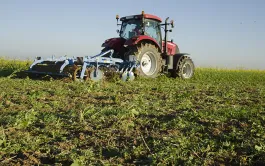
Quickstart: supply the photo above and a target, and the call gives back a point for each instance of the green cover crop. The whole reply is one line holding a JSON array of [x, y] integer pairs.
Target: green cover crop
[[217, 117]]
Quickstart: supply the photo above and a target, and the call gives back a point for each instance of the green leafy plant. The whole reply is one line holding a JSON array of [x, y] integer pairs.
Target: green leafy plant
[[216, 118]]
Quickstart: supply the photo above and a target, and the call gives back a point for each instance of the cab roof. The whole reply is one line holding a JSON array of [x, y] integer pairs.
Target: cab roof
[[148, 16]]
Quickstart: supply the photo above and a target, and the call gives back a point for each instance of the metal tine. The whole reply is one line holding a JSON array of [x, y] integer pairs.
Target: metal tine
[[122, 70], [132, 68]]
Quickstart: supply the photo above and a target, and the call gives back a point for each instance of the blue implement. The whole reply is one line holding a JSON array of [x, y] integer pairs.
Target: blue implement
[[67, 67]]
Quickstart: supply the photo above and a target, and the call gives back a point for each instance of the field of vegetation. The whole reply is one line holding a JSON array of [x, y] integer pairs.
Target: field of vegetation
[[216, 118]]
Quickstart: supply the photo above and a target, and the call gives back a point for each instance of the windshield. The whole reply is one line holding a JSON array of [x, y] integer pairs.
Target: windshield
[[130, 28], [152, 29]]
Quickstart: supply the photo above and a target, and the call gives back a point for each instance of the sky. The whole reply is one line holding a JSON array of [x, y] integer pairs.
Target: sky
[[216, 33]]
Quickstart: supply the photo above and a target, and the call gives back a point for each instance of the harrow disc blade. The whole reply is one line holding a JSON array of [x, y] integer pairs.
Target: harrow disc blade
[[76, 74], [96, 75]]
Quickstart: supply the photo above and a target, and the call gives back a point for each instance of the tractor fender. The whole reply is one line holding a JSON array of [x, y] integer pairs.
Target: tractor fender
[[173, 60], [139, 39]]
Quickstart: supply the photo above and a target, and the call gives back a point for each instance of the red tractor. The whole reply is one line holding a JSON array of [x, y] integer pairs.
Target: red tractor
[[140, 38]]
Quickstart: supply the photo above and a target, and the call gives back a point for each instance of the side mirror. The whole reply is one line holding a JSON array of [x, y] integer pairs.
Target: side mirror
[[118, 31], [117, 18], [172, 23]]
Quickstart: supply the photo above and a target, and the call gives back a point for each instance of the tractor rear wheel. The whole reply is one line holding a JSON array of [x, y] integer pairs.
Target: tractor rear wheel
[[150, 60]]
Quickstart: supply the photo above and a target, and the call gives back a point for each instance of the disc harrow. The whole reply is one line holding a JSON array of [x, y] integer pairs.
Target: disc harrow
[[95, 68]]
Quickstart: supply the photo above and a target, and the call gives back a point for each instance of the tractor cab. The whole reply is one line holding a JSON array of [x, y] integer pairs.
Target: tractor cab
[[136, 29], [135, 26]]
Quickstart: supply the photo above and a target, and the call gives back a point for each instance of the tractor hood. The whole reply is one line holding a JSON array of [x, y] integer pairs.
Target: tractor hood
[[115, 43]]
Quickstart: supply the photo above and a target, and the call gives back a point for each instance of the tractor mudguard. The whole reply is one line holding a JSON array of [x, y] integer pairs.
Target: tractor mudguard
[[142, 38]]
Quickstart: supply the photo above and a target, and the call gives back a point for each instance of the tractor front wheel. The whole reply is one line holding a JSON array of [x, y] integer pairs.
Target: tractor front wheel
[[149, 58], [184, 67]]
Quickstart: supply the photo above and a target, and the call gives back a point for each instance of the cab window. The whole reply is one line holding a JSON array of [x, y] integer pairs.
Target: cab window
[[152, 29]]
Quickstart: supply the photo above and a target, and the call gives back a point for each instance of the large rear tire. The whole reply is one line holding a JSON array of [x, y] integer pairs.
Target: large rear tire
[[149, 57]]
